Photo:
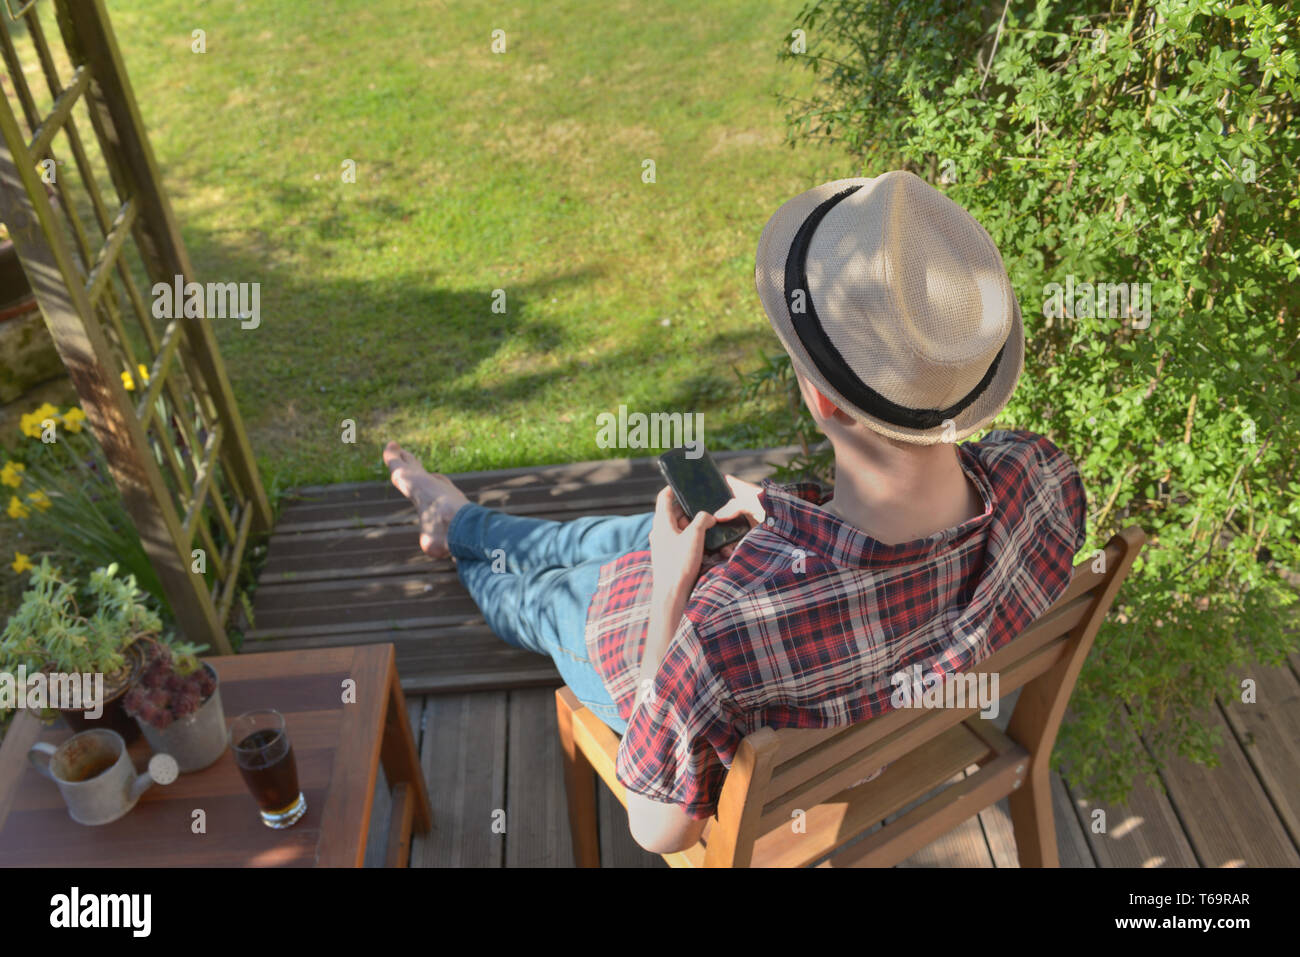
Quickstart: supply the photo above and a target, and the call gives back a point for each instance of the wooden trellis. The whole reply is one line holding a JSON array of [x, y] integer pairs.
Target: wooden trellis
[[185, 421]]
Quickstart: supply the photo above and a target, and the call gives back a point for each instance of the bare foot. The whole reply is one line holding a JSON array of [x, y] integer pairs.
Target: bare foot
[[434, 496]]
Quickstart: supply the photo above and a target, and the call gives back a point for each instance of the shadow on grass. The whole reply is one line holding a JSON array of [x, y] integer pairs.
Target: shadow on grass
[[402, 344]]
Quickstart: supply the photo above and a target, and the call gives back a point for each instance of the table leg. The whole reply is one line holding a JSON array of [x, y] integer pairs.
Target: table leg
[[401, 762], [399, 828]]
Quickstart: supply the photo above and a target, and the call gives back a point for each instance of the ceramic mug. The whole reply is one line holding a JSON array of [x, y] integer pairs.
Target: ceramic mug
[[94, 774]]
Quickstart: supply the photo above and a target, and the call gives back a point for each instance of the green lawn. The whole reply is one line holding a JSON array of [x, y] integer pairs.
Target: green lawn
[[475, 171]]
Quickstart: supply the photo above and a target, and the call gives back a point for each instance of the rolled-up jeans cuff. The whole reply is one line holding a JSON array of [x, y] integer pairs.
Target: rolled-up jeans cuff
[[462, 534]]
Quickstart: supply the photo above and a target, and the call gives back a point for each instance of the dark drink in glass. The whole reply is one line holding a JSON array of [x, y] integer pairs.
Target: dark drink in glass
[[264, 755]]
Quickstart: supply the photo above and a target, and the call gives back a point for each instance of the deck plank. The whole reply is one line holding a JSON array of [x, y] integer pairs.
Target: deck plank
[[963, 846], [1072, 844], [381, 813], [1268, 733], [537, 815], [463, 757], [1225, 811], [1143, 832], [995, 822]]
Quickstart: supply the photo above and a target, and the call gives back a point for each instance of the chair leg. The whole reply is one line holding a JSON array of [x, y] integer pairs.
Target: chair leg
[[580, 787], [1032, 820]]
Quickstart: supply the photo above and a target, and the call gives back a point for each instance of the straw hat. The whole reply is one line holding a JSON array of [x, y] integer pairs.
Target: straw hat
[[893, 301]]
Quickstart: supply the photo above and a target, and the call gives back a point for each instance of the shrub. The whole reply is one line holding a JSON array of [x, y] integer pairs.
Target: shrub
[[1120, 143]]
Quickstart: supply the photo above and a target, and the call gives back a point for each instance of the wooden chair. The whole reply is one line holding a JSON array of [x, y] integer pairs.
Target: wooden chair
[[778, 773]]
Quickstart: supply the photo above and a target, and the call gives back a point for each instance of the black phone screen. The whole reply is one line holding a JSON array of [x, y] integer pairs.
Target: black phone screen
[[700, 487], [698, 481]]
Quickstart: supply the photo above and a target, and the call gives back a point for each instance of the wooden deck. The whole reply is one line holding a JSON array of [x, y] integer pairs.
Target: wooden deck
[[345, 568]]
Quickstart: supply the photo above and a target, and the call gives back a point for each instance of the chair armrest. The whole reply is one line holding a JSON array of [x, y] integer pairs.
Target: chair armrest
[[594, 740], [598, 744]]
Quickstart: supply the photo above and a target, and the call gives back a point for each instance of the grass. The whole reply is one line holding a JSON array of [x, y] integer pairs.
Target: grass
[[475, 171]]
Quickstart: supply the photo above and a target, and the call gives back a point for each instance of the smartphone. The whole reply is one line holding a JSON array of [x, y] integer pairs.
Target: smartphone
[[698, 486]]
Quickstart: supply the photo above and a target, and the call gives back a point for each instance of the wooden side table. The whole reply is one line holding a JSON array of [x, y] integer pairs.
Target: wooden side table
[[344, 712]]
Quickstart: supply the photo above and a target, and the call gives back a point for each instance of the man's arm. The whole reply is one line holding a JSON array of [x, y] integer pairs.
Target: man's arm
[[676, 548], [659, 827]]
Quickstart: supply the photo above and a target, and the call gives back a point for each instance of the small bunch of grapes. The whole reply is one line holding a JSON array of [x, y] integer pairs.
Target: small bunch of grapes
[[163, 695]]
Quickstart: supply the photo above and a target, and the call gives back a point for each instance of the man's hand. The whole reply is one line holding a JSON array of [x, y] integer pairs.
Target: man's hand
[[676, 547], [682, 554], [744, 502]]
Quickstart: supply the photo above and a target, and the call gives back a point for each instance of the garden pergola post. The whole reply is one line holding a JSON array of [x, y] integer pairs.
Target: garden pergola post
[[81, 344], [184, 416], [90, 40]]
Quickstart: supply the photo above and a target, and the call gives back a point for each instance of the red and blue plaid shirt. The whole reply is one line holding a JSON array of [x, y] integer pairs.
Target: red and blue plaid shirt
[[809, 620]]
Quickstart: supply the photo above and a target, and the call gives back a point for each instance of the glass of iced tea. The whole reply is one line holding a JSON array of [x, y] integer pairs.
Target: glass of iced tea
[[265, 758]]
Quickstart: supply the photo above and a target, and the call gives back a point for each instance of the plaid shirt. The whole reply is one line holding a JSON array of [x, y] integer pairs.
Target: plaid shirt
[[808, 621]]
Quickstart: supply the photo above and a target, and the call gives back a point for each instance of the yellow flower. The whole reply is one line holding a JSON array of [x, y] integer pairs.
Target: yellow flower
[[31, 423], [129, 382], [21, 563], [11, 474], [16, 508], [40, 500], [73, 419]]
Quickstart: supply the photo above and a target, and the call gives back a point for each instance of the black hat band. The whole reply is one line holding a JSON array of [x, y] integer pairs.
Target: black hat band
[[827, 357]]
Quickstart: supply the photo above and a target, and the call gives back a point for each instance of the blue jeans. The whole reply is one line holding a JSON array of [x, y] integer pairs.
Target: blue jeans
[[545, 574]]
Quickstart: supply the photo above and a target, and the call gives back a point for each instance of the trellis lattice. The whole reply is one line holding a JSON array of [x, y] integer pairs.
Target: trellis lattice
[[175, 442]]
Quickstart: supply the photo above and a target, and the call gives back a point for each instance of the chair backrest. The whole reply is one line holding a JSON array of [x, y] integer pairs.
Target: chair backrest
[[779, 773]]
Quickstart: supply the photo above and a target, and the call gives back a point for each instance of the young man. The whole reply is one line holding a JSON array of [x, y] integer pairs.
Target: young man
[[905, 336]]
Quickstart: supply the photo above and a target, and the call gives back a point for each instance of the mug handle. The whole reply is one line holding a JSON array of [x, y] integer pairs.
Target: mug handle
[[141, 784], [42, 747]]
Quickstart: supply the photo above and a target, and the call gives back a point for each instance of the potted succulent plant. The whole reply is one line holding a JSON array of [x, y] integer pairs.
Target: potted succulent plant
[[177, 703], [100, 629]]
